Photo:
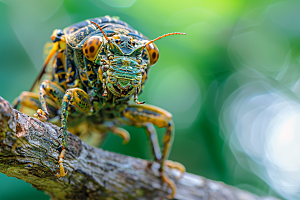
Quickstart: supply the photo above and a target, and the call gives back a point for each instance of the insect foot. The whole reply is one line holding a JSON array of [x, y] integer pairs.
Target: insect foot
[[41, 115], [60, 162], [167, 180], [175, 165]]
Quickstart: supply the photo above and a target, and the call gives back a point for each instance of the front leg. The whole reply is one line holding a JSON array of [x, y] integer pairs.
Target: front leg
[[30, 100], [54, 92], [147, 116], [79, 98]]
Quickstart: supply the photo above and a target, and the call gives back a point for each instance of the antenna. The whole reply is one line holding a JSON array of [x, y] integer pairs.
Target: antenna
[[101, 31], [165, 35]]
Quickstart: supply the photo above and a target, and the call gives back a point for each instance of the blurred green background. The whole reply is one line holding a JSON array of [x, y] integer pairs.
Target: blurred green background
[[232, 83]]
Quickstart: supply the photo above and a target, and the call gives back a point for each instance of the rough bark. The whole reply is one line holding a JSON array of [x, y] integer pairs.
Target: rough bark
[[28, 151]]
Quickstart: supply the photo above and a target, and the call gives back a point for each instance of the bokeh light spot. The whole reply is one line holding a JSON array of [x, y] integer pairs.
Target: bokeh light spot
[[177, 92]]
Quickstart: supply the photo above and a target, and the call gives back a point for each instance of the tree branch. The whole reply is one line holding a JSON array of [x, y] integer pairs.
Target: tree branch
[[28, 151]]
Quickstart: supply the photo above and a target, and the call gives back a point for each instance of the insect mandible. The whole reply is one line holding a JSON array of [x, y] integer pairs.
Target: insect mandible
[[92, 71]]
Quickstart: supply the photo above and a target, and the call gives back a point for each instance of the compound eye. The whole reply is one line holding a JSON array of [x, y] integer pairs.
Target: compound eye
[[91, 47], [153, 53]]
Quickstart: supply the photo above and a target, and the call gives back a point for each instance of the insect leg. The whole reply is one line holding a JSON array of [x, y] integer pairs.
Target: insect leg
[[54, 92], [151, 132], [76, 97], [31, 101], [141, 114], [119, 131]]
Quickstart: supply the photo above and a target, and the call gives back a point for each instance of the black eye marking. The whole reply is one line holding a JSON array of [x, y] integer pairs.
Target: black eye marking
[[154, 55], [92, 48]]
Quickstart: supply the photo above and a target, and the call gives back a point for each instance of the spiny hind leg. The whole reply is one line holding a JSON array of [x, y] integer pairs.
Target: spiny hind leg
[[167, 143], [152, 135], [162, 158], [151, 115], [54, 92], [76, 97]]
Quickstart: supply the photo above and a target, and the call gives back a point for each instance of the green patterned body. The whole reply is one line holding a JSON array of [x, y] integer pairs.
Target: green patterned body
[[80, 72], [92, 71], [70, 69]]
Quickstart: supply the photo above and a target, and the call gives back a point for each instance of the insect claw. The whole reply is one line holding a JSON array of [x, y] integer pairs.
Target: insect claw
[[61, 175], [60, 162], [41, 115], [170, 183], [175, 165], [137, 102]]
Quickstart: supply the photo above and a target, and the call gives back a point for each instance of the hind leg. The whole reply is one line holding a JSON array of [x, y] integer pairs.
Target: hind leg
[[147, 116]]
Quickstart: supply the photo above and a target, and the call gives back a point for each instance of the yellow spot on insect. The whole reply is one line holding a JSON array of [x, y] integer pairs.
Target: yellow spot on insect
[[100, 74]]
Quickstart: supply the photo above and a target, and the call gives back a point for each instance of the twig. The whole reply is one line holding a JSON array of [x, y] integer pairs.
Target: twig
[[28, 151]]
